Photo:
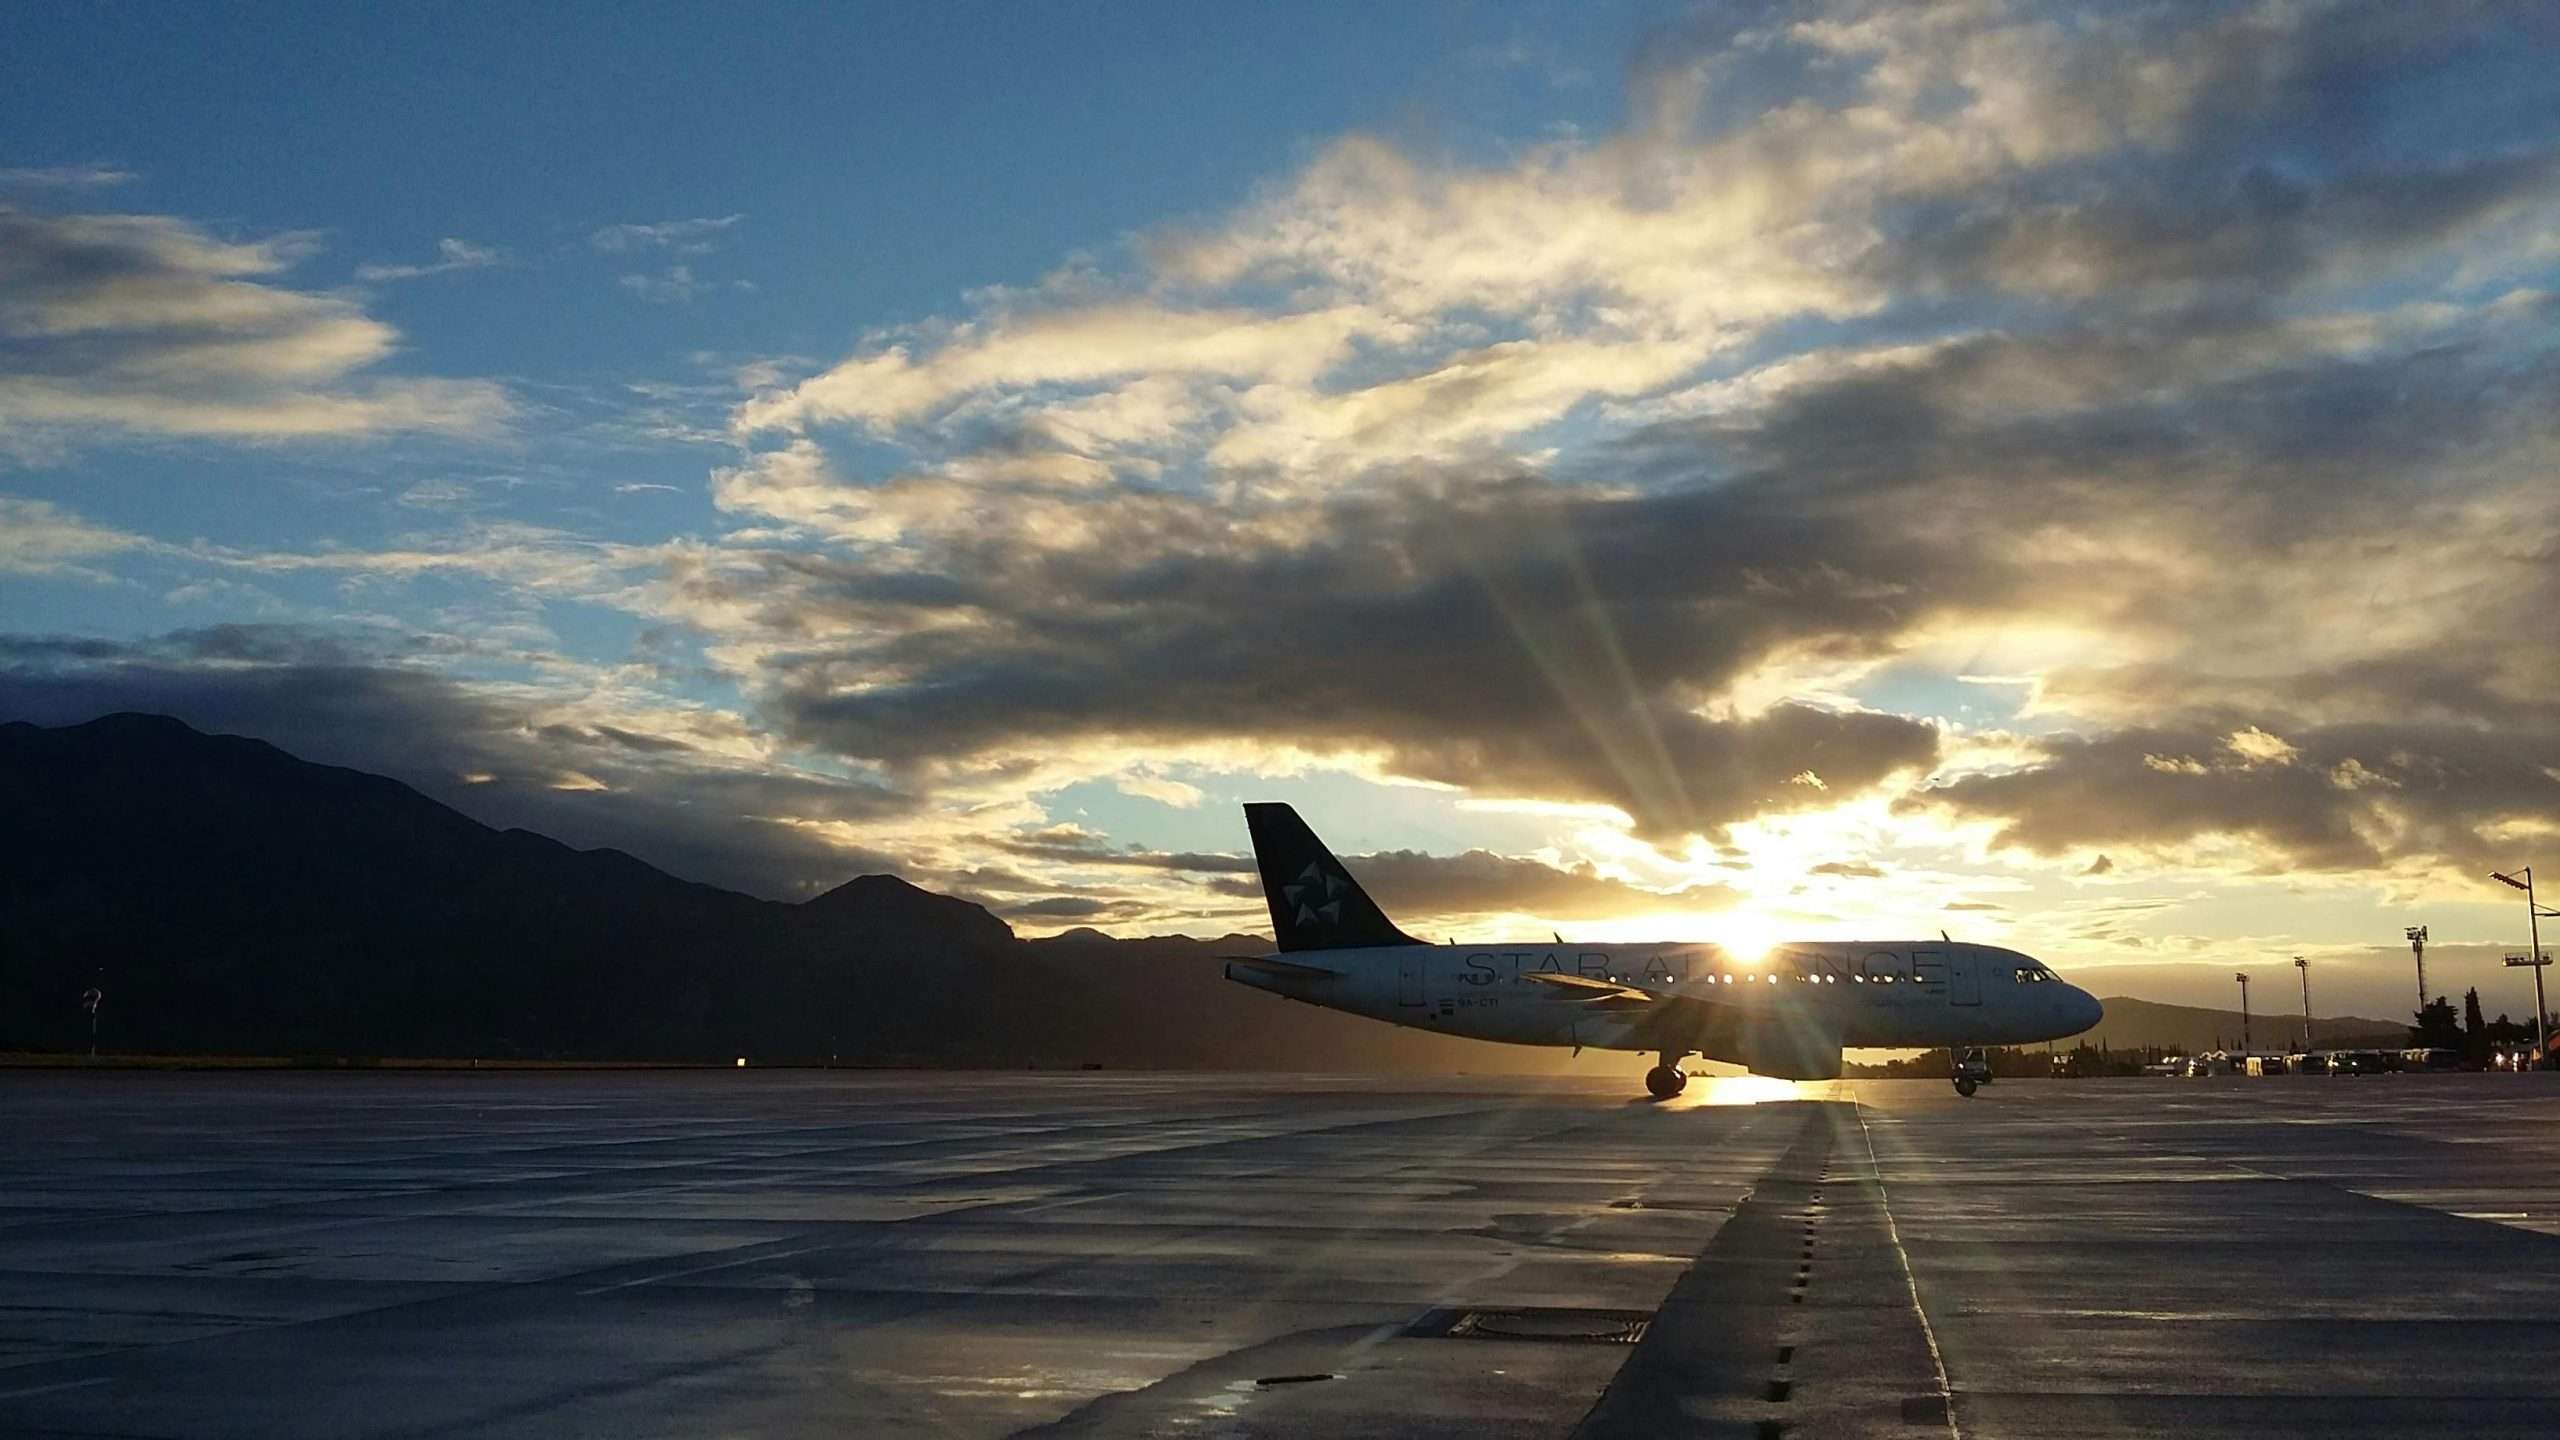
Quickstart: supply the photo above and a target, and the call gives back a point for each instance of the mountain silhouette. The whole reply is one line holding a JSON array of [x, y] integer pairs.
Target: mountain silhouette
[[2132, 1023], [229, 898]]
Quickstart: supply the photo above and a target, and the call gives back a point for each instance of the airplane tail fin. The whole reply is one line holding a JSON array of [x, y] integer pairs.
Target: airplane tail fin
[[1315, 904]]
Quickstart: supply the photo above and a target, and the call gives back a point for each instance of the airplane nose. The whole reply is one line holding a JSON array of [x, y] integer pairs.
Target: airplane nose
[[2086, 1012]]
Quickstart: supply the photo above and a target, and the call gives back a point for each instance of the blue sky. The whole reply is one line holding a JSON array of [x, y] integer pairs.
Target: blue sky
[[888, 159], [1735, 471]]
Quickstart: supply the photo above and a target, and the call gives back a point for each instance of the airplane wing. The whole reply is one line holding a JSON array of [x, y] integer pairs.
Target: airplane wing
[[1606, 994], [1796, 1042], [1594, 990]]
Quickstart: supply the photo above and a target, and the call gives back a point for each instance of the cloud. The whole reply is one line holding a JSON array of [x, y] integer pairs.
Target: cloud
[[695, 236], [1419, 889], [1407, 883], [1517, 637], [1075, 346], [1068, 845], [2438, 794], [65, 177], [1505, 639], [689, 789], [1848, 870], [1161, 790], [38, 537], [144, 324], [451, 255], [2189, 368], [676, 285], [1514, 477]]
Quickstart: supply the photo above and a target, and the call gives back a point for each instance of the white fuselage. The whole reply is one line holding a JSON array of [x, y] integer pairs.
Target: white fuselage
[[1881, 993]]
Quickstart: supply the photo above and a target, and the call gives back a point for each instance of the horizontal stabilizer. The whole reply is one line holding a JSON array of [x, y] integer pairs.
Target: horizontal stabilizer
[[1269, 966]]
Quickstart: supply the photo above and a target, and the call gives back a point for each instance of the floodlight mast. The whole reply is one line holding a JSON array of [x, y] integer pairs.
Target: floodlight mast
[[2418, 946], [2533, 958], [2305, 967], [2243, 978]]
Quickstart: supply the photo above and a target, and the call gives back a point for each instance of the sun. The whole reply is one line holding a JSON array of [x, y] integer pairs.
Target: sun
[[1746, 936]]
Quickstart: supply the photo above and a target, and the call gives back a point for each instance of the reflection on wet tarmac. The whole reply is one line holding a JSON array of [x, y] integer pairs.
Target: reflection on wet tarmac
[[781, 1254]]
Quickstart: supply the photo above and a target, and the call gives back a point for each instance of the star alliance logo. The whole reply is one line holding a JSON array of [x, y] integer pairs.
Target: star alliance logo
[[1317, 894]]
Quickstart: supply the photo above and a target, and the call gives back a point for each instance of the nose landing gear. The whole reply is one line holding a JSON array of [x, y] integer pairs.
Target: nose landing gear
[[1666, 1080], [1970, 1068]]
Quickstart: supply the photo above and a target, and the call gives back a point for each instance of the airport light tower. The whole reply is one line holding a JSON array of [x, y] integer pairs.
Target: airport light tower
[[2243, 978], [2533, 957], [2305, 967], [2418, 946]]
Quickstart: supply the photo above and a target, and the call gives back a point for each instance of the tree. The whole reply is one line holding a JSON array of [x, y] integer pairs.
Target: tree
[[2475, 1032], [2436, 1028]]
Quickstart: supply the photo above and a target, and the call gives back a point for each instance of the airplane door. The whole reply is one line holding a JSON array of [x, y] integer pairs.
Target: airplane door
[[1409, 974], [1964, 977]]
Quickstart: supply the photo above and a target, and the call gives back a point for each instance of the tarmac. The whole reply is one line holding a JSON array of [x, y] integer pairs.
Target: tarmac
[[765, 1253]]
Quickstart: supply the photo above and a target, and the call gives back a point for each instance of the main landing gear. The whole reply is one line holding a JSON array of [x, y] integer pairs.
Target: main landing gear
[[1971, 1069], [1665, 1080]]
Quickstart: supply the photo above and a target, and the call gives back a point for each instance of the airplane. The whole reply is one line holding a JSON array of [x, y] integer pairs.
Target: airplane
[[1788, 1015]]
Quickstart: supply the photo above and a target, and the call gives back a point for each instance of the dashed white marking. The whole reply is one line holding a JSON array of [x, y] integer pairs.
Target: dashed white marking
[[1910, 1280], [57, 1385], [706, 1269]]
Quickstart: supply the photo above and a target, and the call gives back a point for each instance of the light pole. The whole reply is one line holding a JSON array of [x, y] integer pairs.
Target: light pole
[[2418, 946], [2305, 967], [90, 1000], [2533, 957], [2243, 978]]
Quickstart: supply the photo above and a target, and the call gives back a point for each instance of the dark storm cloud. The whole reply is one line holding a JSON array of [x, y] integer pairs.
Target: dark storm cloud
[[1080, 847], [1514, 638], [321, 698], [1062, 907], [2274, 157], [2257, 235], [2082, 424], [613, 734], [2255, 152], [1409, 882], [2180, 415], [2296, 494], [1497, 636], [2338, 797]]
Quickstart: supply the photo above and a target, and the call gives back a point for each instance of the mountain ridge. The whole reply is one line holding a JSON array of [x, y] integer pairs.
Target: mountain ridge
[[2132, 1023], [231, 898]]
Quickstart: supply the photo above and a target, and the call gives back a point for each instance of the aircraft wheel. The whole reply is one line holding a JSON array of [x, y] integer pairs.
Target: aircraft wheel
[[1665, 1081], [1965, 1086]]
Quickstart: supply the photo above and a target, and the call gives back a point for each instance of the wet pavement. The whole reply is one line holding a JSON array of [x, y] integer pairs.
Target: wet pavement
[[769, 1253]]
